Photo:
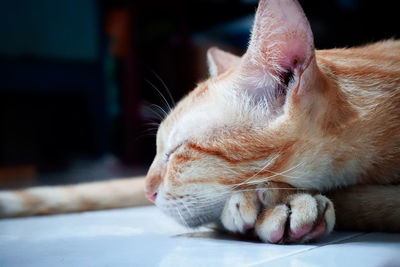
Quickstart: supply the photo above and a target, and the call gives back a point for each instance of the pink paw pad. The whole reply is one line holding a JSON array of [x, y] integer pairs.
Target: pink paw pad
[[318, 231], [300, 232], [247, 226], [276, 235]]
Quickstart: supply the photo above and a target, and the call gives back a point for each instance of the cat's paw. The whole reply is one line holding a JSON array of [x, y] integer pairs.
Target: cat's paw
[[240, 212], [302, 218]]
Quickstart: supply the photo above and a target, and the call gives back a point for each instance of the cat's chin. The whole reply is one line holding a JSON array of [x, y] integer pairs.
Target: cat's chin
[[197, 222], [192, 219], [191, 214]]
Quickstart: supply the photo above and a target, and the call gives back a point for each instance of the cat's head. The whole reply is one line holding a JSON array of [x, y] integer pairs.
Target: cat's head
[[247, 124]]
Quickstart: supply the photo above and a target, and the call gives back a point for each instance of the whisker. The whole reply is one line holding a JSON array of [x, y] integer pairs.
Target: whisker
[[166, 88], [151, 125], [159, 92], [156, 113], [276, 174], [207, 201], [187, 209], [233, 187], [270, 188], [150, 131], [144, 135], [160, 109], [210, 202], [262, 169], [182, 218]]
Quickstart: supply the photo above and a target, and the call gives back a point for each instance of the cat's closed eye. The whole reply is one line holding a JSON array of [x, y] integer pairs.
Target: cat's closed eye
[[167, 155]]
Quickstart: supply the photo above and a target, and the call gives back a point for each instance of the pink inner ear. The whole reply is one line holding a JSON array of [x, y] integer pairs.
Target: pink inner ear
[[294, 54], [282, 38]]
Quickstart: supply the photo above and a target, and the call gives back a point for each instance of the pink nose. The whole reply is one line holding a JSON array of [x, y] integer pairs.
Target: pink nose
[[153, 181], [151, 196]]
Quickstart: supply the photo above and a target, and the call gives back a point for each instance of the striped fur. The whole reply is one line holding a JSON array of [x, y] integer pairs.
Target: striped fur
[[253, 146], [62, 199]]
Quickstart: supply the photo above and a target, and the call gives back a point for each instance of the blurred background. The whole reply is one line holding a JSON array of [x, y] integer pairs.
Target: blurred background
[[78, 78]]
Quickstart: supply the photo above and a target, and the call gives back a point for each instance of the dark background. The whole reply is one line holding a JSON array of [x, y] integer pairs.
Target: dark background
[[77, 77]]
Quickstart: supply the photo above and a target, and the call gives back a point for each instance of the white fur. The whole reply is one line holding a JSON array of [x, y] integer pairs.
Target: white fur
[[271, 224], [326, 205], [239, 213], [305, 211]]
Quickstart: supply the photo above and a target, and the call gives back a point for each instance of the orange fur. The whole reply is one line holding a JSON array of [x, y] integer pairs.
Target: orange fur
[[339, 124], [255, 144]]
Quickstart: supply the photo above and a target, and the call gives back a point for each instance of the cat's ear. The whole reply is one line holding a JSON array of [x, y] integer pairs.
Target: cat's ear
[[219, 61], [281, 44]]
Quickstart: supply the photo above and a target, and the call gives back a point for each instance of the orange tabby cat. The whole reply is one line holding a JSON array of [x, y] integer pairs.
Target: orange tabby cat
[[281, 116], [256, 145]]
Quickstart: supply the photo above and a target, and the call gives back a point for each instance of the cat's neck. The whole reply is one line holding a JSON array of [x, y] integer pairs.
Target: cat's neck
[[363, 114]]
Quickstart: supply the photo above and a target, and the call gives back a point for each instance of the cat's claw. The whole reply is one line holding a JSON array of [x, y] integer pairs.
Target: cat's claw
[[303, 218], [240, 212]]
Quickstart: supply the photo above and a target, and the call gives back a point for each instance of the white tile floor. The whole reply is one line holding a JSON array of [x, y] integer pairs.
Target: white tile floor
[[145, 237]]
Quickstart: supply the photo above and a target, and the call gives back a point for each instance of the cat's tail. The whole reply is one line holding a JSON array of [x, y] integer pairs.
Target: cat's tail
[[73, 198]]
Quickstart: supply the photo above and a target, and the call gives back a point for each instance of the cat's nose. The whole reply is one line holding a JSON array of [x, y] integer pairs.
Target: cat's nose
[[151, 193], [151, 196], [153, 181]]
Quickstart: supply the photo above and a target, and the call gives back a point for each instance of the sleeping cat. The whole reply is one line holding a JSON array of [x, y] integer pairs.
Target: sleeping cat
[[274, 139], [254, 144]]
